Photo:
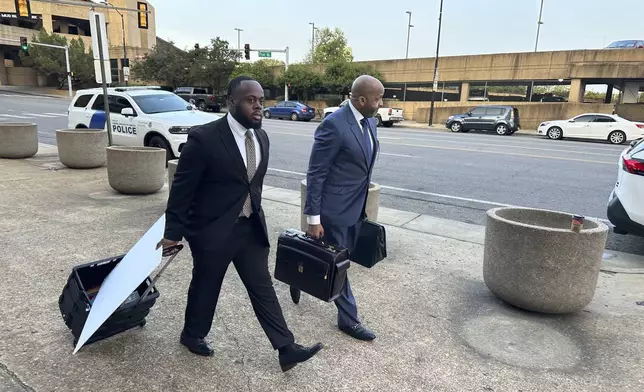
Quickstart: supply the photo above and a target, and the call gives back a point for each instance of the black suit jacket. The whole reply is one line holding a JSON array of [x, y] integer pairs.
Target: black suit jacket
[[210, 186]]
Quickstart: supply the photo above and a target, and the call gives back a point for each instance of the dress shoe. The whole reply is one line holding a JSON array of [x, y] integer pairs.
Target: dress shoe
[[293, 354], [359, 332], [295, 295], [197, 345]]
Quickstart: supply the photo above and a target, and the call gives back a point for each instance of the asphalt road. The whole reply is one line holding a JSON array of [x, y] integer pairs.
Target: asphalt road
[[452, 176]]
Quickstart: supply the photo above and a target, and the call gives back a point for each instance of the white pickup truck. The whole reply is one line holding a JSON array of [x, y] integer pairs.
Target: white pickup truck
[[385, 117]]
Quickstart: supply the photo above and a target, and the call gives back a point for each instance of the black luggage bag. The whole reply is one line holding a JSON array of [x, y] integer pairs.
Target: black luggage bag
[[82, 285], [317, 268]]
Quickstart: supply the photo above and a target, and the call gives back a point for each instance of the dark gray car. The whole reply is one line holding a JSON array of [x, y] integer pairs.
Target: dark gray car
[[504, 120]]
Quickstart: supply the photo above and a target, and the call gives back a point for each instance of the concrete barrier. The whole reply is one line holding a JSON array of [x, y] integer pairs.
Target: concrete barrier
[[533, 260], [18, 140], [136, 170], [172, 168], [82, 148], [373, 203]]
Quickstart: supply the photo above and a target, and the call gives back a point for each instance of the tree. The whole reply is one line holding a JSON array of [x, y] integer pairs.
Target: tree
[[165, 64], [219, 64], [330, 46], [339, 75], [304, 79], [263, 71], [51, 61]]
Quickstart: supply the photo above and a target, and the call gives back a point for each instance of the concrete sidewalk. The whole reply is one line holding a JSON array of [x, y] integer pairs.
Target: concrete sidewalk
[[47, 92], [439, 328]]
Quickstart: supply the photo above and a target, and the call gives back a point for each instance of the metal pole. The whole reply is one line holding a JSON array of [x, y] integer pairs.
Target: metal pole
[[124, 47], [286, 82], [239, 38], [539, 23], [312, 38], [409, 26], [101, 58], [438, 42], [69, 71]]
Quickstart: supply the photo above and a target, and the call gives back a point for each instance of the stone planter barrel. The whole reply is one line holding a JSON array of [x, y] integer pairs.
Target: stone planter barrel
[[82, 148], [534, 261], [172, 168], [373, 203], [136, 170], [18, 140]]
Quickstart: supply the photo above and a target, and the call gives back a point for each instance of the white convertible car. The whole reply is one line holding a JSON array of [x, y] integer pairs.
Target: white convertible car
[[610, 127]]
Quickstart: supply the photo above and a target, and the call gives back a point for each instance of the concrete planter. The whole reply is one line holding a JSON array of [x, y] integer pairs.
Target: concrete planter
[[533, 260], [18, 140], [172, 168], [136, 170], [82, 148], [373, 203]]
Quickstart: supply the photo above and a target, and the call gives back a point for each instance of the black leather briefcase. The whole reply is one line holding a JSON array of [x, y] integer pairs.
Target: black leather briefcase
[[317, 268], [371, 247]]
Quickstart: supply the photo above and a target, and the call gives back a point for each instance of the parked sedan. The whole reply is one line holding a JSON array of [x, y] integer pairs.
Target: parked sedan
[[290, 109], [625, 208], [611, 127]]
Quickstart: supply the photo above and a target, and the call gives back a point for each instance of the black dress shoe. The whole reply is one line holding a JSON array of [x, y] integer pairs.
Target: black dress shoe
[[293, 354], [295, 295], [197, 345], [359, 332]]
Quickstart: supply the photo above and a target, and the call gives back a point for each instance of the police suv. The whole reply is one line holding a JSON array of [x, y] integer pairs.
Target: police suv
[[140, 116]]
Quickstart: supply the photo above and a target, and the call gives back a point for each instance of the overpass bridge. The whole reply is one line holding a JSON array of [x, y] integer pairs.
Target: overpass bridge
[[618, 69]]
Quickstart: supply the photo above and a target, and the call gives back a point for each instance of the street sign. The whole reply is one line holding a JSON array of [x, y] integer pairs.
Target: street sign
[[265, 54], [94, 28], [126, 71]]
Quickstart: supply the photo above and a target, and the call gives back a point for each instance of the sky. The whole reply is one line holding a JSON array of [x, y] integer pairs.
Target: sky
[[377, 29]]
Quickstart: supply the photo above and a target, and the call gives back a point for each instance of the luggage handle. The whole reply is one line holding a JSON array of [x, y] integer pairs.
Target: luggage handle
[[171, 251]]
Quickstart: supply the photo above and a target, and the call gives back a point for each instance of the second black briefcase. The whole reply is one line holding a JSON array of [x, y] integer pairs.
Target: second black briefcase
[[317, 268], [371, 247]]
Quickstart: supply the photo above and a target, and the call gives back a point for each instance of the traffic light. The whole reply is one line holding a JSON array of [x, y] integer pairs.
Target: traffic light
[[23, 43], [247, 51], [23, 9]]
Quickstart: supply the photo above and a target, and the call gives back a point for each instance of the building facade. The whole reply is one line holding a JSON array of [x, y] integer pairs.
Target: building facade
[[130, 34]]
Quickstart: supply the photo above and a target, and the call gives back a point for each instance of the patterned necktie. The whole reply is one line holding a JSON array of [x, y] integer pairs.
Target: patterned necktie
[[367, 138], [251, 168]]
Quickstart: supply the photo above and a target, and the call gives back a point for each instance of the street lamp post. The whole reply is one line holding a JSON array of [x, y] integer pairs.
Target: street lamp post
[[409, 26], [536, 44], [122, 31], [312, 37], [239, 38], [438, 42]]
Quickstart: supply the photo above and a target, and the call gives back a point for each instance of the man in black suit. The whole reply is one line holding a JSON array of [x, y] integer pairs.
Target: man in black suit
[[215, 204]]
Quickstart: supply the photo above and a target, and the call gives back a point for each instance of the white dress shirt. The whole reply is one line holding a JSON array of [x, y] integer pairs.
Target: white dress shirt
[[239, 132], [315, 219]]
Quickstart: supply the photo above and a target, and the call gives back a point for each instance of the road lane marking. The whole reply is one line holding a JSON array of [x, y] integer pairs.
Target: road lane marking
[[38, 115], [14, 116], [440, 195], [57, 114], [481, 151], [398, 155]]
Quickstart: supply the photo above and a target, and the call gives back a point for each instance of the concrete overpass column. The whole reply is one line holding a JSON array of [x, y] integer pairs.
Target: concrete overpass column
[[3, 71], [631, 92], [609, 94], [577, 91], [465, 91]]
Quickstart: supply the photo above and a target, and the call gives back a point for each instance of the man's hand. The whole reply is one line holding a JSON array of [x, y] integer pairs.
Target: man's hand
[[166, 243], [315, 231]]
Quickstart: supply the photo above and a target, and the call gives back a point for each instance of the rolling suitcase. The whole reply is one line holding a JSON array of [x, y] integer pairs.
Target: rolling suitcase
[[75, 301], [310, 265]]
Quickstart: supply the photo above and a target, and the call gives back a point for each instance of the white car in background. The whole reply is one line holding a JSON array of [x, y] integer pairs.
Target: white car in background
[[626, 202], [611, 127], [385, 117], [140, 116]]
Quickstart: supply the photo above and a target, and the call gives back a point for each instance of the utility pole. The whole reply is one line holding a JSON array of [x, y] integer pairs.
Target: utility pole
[[239, 38], [123, 33], [312, 37], [536, 45], [409, 26], [438, 42]]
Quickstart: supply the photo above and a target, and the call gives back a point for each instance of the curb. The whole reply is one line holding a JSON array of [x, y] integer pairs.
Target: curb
[[35, 94]]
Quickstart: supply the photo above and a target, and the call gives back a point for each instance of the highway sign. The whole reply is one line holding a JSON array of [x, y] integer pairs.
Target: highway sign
[[265, 54]]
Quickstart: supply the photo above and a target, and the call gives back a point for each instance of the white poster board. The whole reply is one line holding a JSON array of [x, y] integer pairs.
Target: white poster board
[[134, 268]]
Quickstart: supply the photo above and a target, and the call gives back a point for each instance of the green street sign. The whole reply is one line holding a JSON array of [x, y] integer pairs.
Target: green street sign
[[265, 54]]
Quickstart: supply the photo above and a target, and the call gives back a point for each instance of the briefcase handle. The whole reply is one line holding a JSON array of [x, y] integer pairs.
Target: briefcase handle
[[172, 252]]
